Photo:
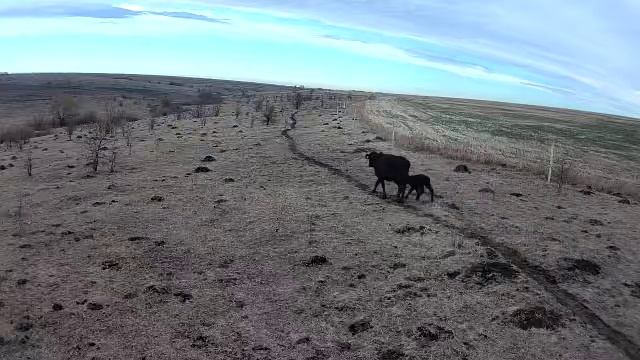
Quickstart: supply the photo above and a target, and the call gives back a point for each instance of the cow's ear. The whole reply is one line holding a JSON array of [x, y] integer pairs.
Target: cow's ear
[[366, 156]]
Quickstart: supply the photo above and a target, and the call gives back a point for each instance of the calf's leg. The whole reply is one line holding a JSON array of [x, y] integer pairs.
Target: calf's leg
[[430, 190], [411, 189]]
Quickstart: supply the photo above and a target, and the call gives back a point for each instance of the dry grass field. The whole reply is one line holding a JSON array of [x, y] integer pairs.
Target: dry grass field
[[280, 251]]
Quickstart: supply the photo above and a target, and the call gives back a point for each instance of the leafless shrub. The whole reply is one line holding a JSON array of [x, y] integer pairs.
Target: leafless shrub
[[62, 108], [151, 123], [206, 97], [237, 110], [127, 134], [28, 164], [269, 113], [259, 103], [114, 116], [88, 117], [39, 123], [216, 110], [22, 136], [70, 127], [563, 173], [298, 99], [112, 160], [95, 143], [7, 137], [165, 108], [198, 111]]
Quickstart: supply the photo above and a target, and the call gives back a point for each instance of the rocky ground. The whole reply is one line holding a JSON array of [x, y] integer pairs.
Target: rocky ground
[[280, 251]]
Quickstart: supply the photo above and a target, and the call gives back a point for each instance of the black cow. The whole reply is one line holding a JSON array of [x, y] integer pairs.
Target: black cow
[[390, 168], [418, 183]]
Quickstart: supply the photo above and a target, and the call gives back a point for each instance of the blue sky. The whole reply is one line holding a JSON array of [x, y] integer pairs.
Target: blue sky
[[575, 54]]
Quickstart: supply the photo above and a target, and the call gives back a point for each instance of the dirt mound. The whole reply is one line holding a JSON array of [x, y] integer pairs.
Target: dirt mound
[[535, 317], [635, 290], [581, 265], [426, 334], [316, 260], [391, 354], [492, 271], [360, 326], [462, 169], [201, 169], [409, 229]]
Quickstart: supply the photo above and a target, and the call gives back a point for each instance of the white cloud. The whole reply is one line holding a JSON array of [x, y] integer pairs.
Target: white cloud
[[132, 7]]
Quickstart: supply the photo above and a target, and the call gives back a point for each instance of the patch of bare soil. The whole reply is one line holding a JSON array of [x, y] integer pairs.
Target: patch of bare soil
[[537, 317]]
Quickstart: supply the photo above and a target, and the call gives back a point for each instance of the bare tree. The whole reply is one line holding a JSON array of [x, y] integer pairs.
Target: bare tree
[[297, 100], [216, 110], [269, 113], [62, 108], [152, 124], [95, 143]]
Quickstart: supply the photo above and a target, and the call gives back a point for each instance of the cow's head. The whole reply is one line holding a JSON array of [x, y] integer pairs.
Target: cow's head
[[373, 158]]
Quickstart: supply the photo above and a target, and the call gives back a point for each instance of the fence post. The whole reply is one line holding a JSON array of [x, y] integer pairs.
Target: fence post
[[393, 136], [550, 163]]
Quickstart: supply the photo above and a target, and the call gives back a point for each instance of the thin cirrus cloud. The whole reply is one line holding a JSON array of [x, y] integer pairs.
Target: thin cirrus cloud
[[98, 11], [571, 53]]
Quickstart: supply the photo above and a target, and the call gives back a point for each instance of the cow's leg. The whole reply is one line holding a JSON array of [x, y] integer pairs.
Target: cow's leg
[[384, 190], [419, 192], [375, 187], [401, 189]]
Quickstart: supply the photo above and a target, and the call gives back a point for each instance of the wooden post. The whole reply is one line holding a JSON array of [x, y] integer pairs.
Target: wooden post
[[393, 136], [550, 164]]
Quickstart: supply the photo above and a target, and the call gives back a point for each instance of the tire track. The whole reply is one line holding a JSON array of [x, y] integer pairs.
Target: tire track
[[540, 275]]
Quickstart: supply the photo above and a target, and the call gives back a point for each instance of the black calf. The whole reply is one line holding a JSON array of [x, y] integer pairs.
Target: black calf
[[418, 183]]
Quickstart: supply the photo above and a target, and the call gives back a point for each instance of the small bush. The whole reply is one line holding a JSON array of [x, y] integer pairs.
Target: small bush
[[70, 127], [29, 163], [298, 99], [269, 114], [62, 108], [88, 117], [39, 123]]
